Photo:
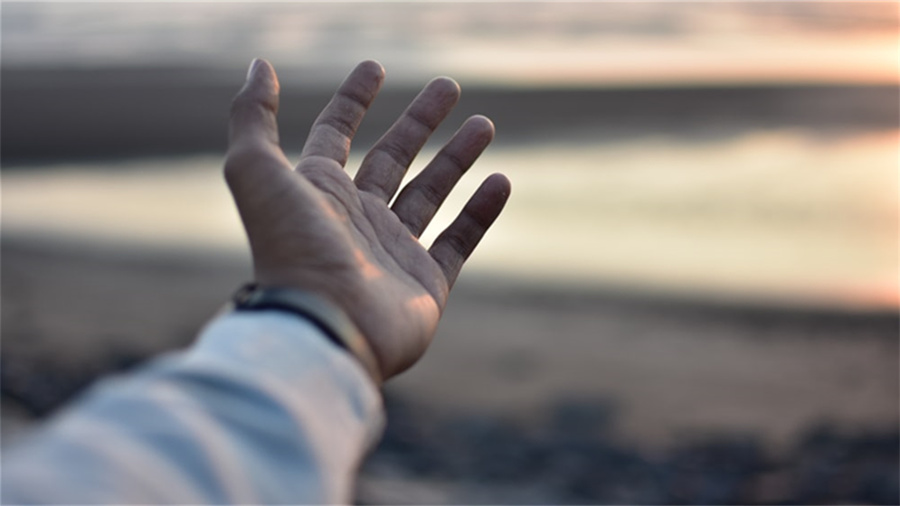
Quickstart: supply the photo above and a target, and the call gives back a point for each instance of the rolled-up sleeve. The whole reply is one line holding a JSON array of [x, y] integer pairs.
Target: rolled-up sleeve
[[263, 408]]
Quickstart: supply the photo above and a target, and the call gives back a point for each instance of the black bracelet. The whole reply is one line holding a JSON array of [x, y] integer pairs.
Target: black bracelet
[[329, 318]]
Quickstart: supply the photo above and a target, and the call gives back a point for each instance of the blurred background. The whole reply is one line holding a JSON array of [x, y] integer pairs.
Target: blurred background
[[692, 295]]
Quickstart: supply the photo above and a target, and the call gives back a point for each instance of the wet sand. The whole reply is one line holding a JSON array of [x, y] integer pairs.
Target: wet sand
[[513, 369], [508, 349]]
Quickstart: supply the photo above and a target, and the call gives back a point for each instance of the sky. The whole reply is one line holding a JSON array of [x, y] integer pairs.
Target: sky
[[502, 43]]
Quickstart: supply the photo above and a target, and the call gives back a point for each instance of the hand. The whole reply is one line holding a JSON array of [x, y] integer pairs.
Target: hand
[[313, 228]]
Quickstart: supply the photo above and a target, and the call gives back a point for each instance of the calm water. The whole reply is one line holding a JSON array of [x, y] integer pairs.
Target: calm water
[[774, 214], [769, 213]]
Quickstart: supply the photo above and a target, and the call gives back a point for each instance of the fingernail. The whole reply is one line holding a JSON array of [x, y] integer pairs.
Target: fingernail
[[253, 66]]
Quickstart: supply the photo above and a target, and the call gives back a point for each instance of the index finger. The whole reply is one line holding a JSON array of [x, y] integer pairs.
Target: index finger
[[333, 130]]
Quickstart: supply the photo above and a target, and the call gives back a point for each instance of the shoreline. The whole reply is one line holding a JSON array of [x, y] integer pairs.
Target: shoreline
[[68, 114], [70, 315], [520, 380], [552, 294]]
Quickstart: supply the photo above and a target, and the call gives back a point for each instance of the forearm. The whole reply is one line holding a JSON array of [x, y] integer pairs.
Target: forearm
[[261, 409]]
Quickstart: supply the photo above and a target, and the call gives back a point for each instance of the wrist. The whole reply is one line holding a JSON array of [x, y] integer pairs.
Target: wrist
[[328, 317]]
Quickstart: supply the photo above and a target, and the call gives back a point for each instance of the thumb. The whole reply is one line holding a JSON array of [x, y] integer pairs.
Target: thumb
[[253, 150], [254, 109]]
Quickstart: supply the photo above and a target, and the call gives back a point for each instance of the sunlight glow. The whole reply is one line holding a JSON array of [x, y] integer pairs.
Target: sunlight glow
[[771, 214]]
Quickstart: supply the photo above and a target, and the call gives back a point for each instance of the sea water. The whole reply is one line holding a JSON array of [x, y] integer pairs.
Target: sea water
[[770, 214]]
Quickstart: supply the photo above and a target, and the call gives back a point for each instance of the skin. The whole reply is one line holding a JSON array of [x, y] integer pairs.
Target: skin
[[312, 227]]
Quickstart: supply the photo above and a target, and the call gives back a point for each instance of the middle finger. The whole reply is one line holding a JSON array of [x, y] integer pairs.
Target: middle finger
[[384, 166]]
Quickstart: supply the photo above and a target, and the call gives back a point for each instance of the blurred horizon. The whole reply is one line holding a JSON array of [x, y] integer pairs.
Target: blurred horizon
[[738, 149], [530, 44], [692, 292]]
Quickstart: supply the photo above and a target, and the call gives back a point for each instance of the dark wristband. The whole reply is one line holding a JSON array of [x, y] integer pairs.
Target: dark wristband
[[329, 318]]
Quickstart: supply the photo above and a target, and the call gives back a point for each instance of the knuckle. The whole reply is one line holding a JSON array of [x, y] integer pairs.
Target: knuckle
[[358, 99], [430, 194], [421, 121], [343, 125], [413, 224], [458, 244], [247, 101], [479, 222], [455, 161], [239, 102], [398, 153], [243, 156], [234, 162]]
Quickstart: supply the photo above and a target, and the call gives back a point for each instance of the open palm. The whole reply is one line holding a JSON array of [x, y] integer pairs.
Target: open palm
[[315, 228]]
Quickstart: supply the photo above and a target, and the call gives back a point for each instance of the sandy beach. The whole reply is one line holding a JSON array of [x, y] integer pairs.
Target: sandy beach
[[503, 349], [651, 373]]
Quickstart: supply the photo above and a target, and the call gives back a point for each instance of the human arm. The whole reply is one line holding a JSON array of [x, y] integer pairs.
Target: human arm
[[263, 408]]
